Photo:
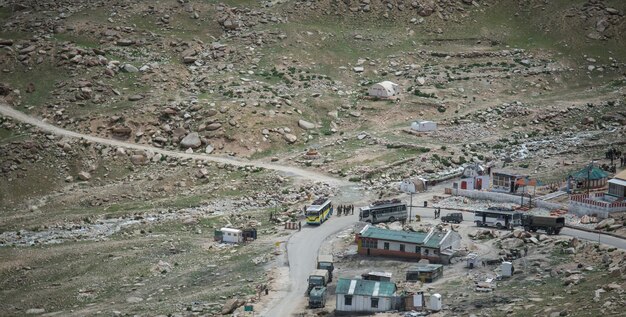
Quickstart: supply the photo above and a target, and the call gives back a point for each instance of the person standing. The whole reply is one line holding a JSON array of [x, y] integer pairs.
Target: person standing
[[300, 226]]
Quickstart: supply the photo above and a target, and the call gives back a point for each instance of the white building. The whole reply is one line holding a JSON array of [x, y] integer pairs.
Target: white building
[[356, 295], [385, 89], [474, 177], [423, 126]]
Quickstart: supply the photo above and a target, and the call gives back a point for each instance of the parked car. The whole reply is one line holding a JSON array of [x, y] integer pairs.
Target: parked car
[[455, 217]]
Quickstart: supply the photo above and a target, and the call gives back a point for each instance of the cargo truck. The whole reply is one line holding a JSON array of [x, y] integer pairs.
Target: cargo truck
[[317, 278], [325, 262], [551, 225]]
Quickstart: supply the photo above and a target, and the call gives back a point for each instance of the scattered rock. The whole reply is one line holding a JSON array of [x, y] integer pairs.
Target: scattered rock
[[84, 176], [192, 140], [35, 311], [134, 300], [135, 97], [290, 138], [231, 304]]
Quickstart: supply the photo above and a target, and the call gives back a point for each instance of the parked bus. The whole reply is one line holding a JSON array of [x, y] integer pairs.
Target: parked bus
[[383, 211], [498, 218], [319, 211]]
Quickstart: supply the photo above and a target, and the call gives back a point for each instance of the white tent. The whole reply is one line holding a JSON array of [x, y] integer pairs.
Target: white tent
[[384, 89], [423, 126]]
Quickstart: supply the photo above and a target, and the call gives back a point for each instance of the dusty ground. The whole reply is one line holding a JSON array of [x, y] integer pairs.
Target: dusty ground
[[546, 274], [91, 228]]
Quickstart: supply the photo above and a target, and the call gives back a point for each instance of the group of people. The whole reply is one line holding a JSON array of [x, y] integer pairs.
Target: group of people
[[345, 210], [437, 212], [614, 154]]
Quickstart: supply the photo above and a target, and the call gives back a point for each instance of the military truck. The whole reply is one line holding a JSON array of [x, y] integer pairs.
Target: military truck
[[455, 217], [317, 297], [551, 225], [325, 262], [317, 278]]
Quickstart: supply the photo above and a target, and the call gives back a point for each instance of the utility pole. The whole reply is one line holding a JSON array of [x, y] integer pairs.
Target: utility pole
[[411, 207], [588, 176]]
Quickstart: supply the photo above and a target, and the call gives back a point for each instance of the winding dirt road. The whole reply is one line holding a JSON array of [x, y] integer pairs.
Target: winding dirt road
[[7, 111], [303, 246]]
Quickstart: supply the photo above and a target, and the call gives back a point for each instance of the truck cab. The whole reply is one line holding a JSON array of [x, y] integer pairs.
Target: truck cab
[[455, 217], [317, 297]]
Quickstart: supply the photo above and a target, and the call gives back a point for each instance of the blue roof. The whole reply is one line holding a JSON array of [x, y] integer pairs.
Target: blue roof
[[365, 287]]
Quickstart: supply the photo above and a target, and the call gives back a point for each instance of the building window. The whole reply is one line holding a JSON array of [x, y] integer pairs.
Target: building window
[[402, 247], [369, 244], [348, 300], [500, 181], [417, 249], [374, 302], [435, 252], [386, 245], [426, 251]]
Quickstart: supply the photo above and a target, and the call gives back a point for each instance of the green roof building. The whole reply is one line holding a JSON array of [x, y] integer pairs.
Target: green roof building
[[436, 246], [590, 176], [356, 295]]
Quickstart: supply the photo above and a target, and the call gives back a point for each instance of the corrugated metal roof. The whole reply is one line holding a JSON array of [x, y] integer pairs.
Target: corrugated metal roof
[[621, 175], [434, 240], [594, 174], [618, 182], [365, 288], [394, 235], [424, 267]]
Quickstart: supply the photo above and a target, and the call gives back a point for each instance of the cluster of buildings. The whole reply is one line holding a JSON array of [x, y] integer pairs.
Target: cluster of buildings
[[592, 191], [375, 291], [600, 203]]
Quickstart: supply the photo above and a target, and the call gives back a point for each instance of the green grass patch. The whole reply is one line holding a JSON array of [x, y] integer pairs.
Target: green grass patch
[[82, 40], [43, 77]]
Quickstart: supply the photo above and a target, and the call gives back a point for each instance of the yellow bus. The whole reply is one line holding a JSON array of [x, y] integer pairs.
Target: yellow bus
[[319, 211]]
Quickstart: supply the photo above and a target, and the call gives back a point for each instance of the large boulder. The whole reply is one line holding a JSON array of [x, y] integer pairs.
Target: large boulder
[[605, 223], [512, 243], [290, 138], [130, 68], [121, 131], [192, 140], [232, 304], [213, 126], [138, 159], [306, 125], [84, 176]]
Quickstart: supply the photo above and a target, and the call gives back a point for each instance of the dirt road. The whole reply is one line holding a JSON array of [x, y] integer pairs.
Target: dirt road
[[7, 111], [302, 251], [302, 246]]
